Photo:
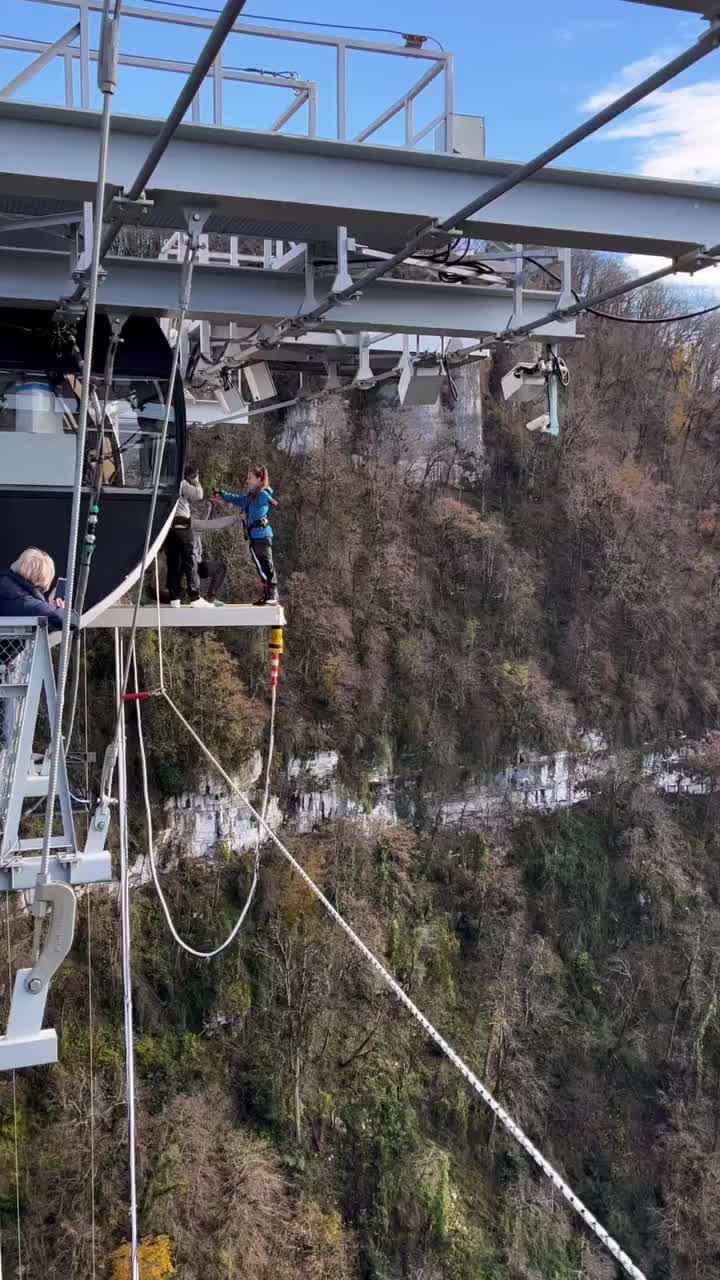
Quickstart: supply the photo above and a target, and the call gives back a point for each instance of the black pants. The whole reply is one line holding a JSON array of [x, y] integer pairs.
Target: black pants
[[181, 563], [262, 557], [214, 571]]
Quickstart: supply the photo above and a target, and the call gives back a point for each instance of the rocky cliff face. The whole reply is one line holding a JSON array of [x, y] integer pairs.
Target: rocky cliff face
[[311, 795]]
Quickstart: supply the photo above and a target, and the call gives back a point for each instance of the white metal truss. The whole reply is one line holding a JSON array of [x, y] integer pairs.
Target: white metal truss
[[26, 677], [26, 674]]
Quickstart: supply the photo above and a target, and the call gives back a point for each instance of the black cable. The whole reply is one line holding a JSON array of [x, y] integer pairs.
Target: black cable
[[540, 267], [608, 315], [295, 22], [689, 315]]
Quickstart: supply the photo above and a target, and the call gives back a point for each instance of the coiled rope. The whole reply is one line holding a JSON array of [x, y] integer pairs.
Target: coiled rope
[[216, 951]]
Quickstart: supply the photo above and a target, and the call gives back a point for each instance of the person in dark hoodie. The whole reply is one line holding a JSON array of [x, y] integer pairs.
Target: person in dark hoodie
[[24, 593], [255, 503], [25, 588], [179, 545]]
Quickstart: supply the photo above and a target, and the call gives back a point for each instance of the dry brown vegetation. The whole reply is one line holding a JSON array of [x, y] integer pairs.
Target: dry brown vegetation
[[447, 610]]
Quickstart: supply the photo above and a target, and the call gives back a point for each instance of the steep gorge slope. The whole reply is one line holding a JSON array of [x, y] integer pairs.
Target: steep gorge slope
[[447, 609]]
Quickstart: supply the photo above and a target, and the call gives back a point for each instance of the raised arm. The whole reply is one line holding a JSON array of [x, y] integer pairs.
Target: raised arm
[[235, 499], [193, 492]]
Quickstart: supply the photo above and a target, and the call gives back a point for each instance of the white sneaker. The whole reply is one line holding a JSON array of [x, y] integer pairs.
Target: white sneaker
[[200, 604], [175, 604]]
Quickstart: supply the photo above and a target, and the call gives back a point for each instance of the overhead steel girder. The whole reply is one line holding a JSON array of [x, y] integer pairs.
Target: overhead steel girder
[[37, 277], [703, 8], [299, 188]]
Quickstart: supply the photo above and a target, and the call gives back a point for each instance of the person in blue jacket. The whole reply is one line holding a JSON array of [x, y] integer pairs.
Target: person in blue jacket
[[256, 503], [25, 588]]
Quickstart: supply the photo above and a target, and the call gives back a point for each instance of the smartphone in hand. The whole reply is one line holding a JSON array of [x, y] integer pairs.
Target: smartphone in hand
[[59, 593]]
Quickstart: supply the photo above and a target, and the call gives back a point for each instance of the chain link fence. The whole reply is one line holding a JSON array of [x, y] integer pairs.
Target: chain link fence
[[16, 650]]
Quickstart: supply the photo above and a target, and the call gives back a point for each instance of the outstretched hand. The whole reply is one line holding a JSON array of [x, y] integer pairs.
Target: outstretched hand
[[216, 496]]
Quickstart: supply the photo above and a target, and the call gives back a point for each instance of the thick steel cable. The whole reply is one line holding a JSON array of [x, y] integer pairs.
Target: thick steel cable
[[706, 43], [91, 523], [127, 966], [475, 1083], [185, 292], [14, 1102], [77, 493], [587, 304], [183, 102], [91, 1019], [223, 946]]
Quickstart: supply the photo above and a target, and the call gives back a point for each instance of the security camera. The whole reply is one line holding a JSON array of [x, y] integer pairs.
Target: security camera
[[525, 381], [541, 424]]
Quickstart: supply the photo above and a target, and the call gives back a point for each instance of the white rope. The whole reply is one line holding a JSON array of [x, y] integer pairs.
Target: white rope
[[14, 1102], [126, 967], [57, 734], [499, 1111], [91, 1019], [185, 294], [201, 955], [91, 1067]]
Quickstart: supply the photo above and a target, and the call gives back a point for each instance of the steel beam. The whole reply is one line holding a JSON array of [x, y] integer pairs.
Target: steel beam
[[37, 277], [299, 188], [703, 8]]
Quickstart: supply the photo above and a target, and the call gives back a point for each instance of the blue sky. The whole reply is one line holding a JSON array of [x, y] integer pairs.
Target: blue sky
[[533, 71], [529, 69]]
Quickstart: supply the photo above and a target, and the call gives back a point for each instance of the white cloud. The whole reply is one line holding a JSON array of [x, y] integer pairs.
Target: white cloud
[[630, 75], [678, 127], [677, 131], [709, 278]]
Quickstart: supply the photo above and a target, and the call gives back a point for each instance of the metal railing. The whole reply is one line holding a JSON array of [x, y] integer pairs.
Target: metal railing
[[16, 646], [74, 47]]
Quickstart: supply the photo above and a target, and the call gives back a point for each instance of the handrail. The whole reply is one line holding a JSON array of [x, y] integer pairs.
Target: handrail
[[304, 91]]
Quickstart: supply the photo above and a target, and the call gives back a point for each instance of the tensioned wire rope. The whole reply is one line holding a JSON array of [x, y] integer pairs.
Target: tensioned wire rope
[[503, 1116], [704, 45], [106, 67], [16, 1145], [423, 237]]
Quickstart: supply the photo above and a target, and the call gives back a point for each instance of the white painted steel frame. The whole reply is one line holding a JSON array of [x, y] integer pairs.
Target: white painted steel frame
[[243, 295], [379, 193], [443, 63]]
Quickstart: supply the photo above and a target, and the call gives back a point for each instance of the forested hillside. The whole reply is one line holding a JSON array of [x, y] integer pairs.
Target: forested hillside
[[447, 609]]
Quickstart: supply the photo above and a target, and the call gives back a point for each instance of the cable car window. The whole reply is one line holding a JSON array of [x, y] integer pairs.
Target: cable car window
[[38, 430]]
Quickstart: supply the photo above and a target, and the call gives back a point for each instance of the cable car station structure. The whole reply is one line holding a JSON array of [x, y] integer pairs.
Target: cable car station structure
[[269, 254]]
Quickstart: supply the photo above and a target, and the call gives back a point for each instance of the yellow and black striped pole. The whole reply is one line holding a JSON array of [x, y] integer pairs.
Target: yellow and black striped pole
[[276, 647]]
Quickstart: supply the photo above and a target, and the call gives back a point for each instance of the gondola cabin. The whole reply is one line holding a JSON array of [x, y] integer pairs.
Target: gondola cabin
[[40, 386]]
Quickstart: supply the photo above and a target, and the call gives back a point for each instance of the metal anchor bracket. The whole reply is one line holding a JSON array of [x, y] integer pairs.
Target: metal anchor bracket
[[26, 1043]]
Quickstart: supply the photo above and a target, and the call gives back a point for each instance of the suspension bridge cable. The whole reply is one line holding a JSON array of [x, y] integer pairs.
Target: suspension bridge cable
[[105, 66], [185, 292], [91, 1019], [296, 325], [91, 522], [127, 966], [468, 1075], [14, 1102], [609, 315], [192, 86]]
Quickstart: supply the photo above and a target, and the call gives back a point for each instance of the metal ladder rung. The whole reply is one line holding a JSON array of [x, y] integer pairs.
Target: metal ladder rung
[[56, 842]]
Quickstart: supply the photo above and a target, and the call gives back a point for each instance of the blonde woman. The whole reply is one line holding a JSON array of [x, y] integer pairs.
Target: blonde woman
[[25, 588]]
